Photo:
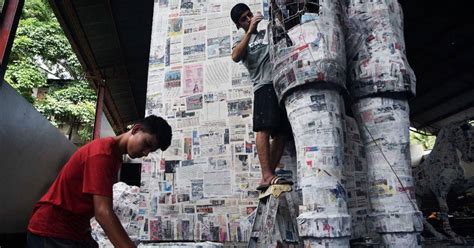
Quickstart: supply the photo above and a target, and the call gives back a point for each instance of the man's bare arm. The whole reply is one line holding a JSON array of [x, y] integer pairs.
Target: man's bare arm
[[104, 214], [239, 51]]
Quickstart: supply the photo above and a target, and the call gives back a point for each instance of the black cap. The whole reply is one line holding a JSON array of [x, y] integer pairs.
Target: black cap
[[237, 11]]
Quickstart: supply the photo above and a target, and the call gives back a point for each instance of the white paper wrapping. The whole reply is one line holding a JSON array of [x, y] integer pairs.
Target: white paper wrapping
[[384, 126], [316, 117], [375, 46], [310, 52], [355, 174], [181, 245], [126, 203]]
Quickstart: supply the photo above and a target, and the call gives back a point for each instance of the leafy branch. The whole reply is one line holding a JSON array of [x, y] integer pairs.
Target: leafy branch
[[41, 51]]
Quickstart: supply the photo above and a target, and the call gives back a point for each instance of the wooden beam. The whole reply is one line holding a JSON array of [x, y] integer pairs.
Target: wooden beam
[[69, 20], [11, 13]]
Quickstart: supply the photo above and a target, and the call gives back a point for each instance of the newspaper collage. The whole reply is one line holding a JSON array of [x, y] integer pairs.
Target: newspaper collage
[[376, 54], [204, 186], [317, 120], [311, 52], [126, 206], [392, 203]]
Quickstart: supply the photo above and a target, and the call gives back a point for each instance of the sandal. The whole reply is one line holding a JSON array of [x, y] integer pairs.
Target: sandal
[[275, 181]]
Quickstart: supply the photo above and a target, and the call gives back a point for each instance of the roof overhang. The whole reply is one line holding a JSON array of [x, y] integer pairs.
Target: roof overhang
[[112, 42], [439, 40]]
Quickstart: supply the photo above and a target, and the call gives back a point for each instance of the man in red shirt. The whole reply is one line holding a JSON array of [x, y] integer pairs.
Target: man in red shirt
[[83, 189]]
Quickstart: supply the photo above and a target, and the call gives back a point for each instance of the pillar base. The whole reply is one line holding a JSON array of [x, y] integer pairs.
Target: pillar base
[[326, 243], [318, 225], [407, 240], [397, 222]]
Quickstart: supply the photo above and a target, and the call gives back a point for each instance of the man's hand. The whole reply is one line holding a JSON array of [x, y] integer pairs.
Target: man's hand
[[254, 22], [238, 52], [104, 214]]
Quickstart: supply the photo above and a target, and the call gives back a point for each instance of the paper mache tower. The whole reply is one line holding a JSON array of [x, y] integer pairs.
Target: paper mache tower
[[322, 53]]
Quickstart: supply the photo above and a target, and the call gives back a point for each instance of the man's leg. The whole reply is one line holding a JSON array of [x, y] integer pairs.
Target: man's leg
[[34, 241], [277, 147], [268, 119], [264, 151]]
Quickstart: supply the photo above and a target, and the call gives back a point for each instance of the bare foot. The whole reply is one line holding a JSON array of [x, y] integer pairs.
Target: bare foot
[[266, 180]]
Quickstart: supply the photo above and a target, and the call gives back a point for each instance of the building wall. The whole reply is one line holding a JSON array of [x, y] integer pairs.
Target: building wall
[[32, 151]]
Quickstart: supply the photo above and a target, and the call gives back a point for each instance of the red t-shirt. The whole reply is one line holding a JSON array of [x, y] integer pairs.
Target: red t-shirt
[[66, 209]]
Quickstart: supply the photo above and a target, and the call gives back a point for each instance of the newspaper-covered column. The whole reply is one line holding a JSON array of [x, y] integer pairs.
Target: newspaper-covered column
[[384, 126], [355, 175], [307, 51], [126, 204], [375, 47], [316, 117], [377, 64], [203, 187], [307, 45]]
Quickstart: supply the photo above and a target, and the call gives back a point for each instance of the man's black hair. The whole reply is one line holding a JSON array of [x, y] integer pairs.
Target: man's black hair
[[237, 11], [160, 128]]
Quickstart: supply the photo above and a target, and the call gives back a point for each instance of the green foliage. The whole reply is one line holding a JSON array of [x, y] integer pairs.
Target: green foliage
[[23, 75], [38, 9], [427, 141], [74, 105], [41, 48]]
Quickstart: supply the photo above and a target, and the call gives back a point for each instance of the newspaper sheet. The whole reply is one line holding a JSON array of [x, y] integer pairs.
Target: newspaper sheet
[[194, 47], [217, 75], [193, 76], [217, 183], [218, 43]]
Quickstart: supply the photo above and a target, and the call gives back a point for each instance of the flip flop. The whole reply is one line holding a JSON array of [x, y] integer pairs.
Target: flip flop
[[280, 180], [275, 180], [263, 187]]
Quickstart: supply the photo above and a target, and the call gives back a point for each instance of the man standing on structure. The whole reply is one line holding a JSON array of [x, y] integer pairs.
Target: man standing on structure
[[269, 120]]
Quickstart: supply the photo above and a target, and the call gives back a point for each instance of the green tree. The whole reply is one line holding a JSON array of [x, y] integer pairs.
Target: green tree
[[40, 49]]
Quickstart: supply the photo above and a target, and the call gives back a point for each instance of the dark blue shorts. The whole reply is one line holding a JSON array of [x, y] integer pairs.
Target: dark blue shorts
[[267, 113], [35, 241]]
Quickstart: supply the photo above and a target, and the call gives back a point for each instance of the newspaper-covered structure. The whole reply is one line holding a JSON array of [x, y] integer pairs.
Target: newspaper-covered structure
[[375, 46], [317, 120], [442, 172], [182, 245], [391, 187], [308, 50], [203, 187], [307, 34], [377, 64], [126, 200], [307, 44], [355, 179]]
